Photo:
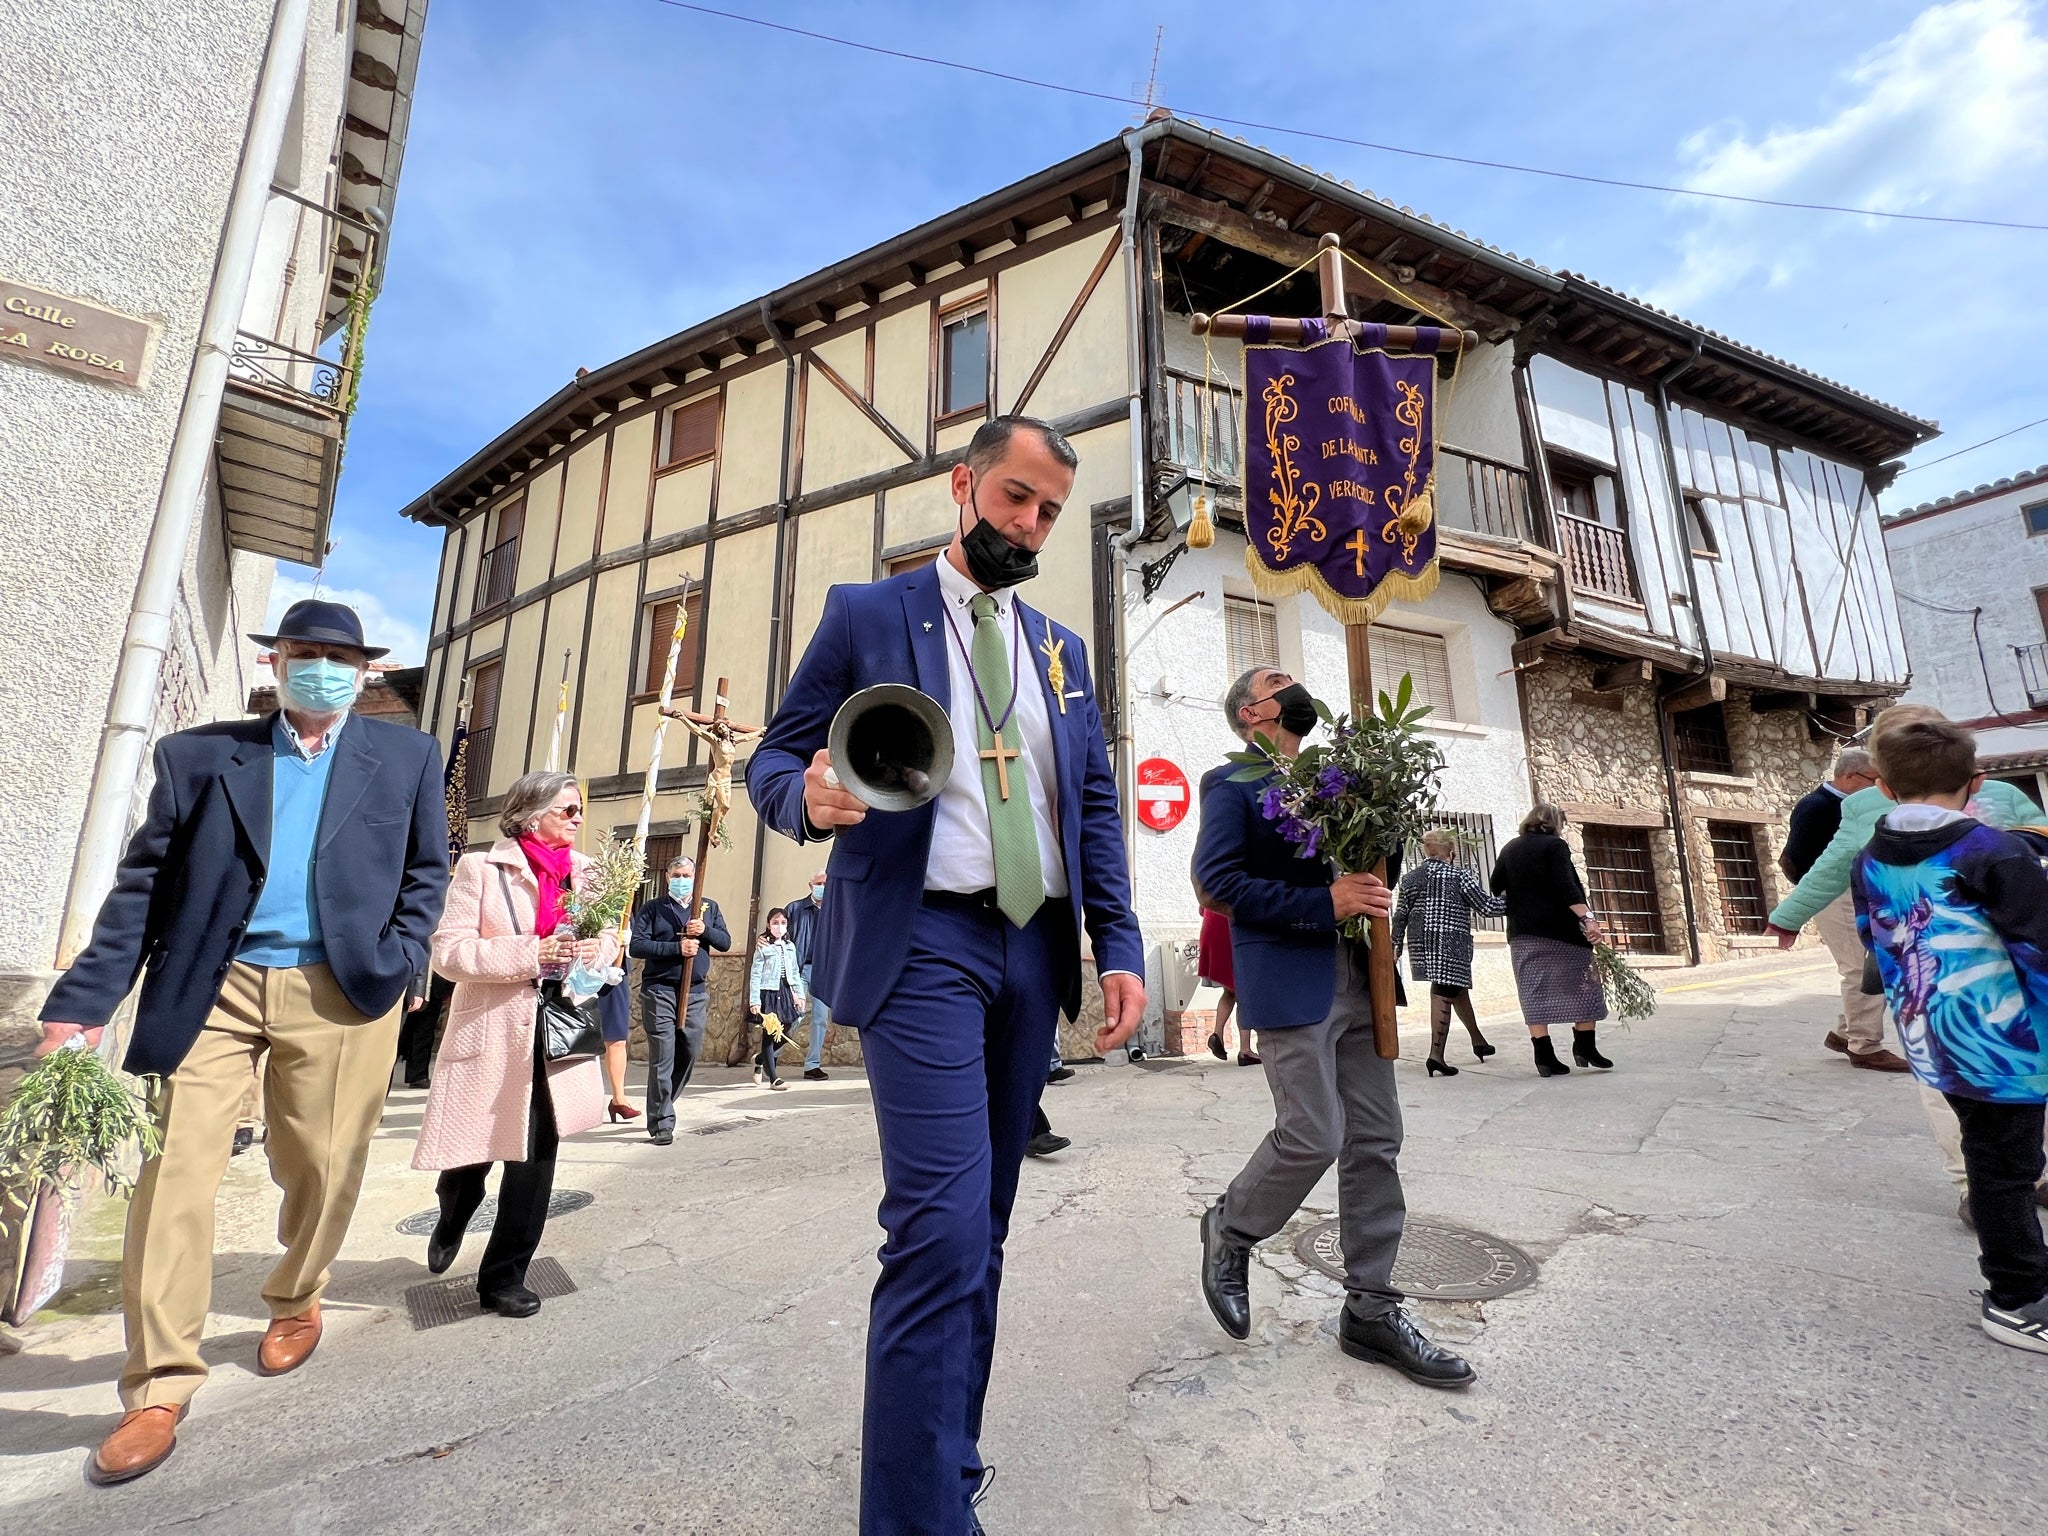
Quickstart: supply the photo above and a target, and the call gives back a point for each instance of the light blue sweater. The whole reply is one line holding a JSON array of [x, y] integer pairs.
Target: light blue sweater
[[284, 930]]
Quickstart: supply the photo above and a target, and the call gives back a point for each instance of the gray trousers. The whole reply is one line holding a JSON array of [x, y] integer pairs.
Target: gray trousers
[[1334, 1101], [670, 1060]]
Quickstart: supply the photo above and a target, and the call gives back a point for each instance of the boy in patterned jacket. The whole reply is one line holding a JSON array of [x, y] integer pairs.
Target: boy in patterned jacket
[[1957, 914]]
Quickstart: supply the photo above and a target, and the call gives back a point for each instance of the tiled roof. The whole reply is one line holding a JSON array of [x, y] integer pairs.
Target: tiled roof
[[1990, 488]]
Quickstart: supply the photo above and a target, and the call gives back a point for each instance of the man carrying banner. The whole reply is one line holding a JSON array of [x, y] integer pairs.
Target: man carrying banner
[[952, 939]]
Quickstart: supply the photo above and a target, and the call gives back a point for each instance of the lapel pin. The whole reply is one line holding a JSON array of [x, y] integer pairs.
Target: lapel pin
[[927, 626]]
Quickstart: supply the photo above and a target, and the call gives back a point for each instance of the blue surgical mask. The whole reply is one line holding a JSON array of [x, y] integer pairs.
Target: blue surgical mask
[[319, 686], [680, 886]]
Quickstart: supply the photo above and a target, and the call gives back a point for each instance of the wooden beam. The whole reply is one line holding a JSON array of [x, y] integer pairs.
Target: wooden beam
[[1059, 336], [1770, 703], [1624, 674], [1592, 698], [853, 397], [1258, 198], [1591, 813], [1533, 651], [1713, 690], [1303, 219]]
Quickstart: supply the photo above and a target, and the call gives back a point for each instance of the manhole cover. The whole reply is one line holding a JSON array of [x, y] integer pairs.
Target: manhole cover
[[450, 1301], [1436, 1260], [560, 1203]]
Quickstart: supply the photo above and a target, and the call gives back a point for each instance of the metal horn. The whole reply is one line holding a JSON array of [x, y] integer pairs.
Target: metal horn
[[892, 747]]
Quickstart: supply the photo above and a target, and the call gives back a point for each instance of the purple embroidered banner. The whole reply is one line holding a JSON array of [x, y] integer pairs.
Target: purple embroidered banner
[[1340, 468]]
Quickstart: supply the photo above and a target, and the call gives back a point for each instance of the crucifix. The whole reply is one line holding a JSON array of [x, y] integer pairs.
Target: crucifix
[[1000, 755], [1357, 637], [723, 737]]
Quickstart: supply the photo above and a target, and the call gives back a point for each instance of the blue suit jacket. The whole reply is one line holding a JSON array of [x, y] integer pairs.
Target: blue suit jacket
[[182, 899], [894, 631], [1283, 925]]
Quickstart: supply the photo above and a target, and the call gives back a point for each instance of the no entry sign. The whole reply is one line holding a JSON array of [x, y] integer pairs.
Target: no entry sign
[[1163, 794]]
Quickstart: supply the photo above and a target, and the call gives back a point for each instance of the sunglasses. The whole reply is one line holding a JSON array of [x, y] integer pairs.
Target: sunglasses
[[573, 812]]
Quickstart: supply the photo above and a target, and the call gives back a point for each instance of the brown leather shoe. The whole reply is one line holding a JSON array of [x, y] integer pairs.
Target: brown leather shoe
[[288, 1341], [1879, 1060], [1835, 1042], [140, 1443]]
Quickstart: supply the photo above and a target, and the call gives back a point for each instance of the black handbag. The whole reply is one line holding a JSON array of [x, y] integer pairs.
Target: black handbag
[[568, 1030]]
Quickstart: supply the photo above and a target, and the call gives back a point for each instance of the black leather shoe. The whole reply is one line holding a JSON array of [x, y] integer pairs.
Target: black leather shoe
[[513, 1301], [442, 1247], [663, 1137], [1047, 1143], [1395, 1340], [1226, 1283], [1059, 1074]]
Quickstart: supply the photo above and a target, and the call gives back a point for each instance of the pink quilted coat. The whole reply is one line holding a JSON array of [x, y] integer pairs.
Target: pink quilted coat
[[483, 1072]]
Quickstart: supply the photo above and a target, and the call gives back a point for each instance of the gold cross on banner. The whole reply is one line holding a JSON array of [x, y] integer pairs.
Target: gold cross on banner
[[1358, 546], [1001, 756]]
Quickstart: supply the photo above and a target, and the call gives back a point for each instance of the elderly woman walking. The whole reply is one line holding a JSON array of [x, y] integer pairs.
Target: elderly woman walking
[[1551, 932], [1433, 920], [495, 1096]]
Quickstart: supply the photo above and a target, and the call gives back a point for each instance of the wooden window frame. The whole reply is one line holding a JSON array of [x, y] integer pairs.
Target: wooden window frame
[[1682, 741], [949, 315], [912, 559], [478, 783], [481, 602], [1697, 529], [1652, 939], [690, 664], [715, 399]]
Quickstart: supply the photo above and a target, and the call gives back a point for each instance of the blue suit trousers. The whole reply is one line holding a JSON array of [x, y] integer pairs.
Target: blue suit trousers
[[956, 1061]]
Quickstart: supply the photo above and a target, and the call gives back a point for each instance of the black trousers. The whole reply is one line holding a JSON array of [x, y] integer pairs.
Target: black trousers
[[2002, 1159], [417, 1033], [523, 1193]]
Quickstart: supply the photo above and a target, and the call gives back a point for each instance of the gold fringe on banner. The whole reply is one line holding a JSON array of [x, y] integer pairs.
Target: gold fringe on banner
[[1346, 610]]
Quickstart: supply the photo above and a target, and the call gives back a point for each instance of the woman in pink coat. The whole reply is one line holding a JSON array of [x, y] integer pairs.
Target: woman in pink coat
[[495, 1098]]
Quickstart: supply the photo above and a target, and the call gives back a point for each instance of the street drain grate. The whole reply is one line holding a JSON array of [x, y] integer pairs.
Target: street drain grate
[[560, 1203], [1437, 1261], [450, 1301]]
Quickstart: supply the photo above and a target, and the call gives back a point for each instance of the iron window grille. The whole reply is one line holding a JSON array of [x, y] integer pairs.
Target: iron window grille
[[1701, 736], [1741, 876], [1476, 848], [1621, 888]]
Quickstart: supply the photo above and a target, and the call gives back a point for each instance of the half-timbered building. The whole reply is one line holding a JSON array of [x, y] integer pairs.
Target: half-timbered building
[[1664, 587]]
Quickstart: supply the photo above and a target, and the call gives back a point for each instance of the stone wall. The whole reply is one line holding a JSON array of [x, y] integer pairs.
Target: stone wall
[[1600, 756]]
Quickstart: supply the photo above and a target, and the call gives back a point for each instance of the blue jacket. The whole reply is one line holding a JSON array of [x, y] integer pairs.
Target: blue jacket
[[1957, 916], [657, 942], [1283, 925], [894, 631], [182, 899]]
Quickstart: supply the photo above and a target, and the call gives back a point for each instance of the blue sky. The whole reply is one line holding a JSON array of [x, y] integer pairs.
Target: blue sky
[[583, 177]]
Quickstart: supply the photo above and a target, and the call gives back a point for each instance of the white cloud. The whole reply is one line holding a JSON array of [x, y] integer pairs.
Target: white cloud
[[408, 641], [1937, 120]]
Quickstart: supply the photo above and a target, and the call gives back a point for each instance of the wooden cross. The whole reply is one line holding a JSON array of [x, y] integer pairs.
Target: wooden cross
[[1001, 756], [1359, 546], [722, 736]]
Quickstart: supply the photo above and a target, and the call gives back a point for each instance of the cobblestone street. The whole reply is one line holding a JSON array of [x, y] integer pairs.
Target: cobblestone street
[[1752, 1313]]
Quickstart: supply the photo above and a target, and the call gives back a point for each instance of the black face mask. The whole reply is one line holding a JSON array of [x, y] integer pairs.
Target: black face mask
[[992, 560], [1297, 709]]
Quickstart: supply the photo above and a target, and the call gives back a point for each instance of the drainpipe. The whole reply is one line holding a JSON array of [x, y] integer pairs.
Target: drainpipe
[[1679, 821], [777, 618], [132, 712]]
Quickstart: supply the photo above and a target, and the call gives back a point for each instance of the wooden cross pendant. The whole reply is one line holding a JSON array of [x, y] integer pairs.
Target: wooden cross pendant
[[1358, 546], [1001, 756]]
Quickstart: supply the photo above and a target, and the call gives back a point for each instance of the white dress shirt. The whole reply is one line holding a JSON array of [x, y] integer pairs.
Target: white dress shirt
[[962, 855]]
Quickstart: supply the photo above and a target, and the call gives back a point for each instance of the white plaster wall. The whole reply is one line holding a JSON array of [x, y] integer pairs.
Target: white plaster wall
[[1486, 767], [1974, 556]]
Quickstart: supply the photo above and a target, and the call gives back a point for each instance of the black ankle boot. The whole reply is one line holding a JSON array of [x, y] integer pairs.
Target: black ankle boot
[[1547, 1064], [1585, 1052]]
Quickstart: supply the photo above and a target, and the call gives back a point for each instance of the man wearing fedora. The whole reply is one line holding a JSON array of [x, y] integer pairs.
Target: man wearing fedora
[[278, 903]]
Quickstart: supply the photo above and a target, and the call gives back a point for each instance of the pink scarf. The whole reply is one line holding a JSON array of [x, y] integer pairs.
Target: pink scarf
[[553, 869]]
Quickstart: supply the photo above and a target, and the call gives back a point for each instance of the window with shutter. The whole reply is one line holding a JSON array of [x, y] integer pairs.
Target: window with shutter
[[1425, 658], [693, 431], [661, 632], [483, 728], [1251, 635], [499, 567]]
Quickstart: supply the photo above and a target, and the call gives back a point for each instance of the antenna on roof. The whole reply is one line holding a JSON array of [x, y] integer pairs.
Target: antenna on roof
[[1152, 80]]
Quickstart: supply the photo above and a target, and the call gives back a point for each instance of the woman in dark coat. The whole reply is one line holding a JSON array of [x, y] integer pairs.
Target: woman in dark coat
[[1433, 921], [1551, 932]]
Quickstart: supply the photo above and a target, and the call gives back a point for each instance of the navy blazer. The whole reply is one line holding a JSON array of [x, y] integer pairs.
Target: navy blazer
[[1283, 924], [185, 891], [894, 631]]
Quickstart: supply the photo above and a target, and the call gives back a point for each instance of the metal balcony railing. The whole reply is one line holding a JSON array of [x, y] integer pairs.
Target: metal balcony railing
[[1597, 557], [2033, 660], [287, 373], [495, 575]]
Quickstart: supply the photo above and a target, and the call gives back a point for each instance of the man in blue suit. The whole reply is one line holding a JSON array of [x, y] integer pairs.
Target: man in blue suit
[[277, 903], [952, 939], [1302, 987]]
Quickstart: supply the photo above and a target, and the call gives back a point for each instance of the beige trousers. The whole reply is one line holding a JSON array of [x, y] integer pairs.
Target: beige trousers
[[1862, 1021], [324, 1082]]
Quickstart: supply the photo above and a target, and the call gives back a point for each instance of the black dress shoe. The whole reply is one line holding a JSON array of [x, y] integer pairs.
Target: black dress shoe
[[1226, 1281], [513, 1301], [663, 1137], [816, 1075], [1395, 1340], [1046, 1143], [442, 1246], [1059, 1074]]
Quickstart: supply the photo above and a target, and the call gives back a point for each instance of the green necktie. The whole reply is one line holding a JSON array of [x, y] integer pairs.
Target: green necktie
[[1020, 877]]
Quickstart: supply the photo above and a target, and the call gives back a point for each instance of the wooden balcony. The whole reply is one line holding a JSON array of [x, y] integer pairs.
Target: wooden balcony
[[1483, 496], [1597, 558], [1204, 422]]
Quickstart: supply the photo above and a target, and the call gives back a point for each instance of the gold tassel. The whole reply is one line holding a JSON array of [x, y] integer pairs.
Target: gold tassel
[[1201, 532]]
